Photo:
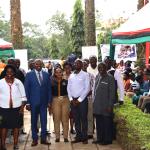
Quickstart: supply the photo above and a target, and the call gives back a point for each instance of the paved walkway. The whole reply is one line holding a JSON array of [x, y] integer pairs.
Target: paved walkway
[[25, 141]]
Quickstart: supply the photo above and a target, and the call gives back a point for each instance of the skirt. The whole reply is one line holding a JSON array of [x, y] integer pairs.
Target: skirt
[[10, 118]]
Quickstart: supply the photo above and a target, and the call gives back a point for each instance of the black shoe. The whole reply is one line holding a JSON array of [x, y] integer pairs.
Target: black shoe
[[97, 142], [76, 141], [66, 140], [57, 140], [34, 143], [85, 141], [72, 132], [47, 132], [45, 142], [90, 136], [16, 147], [106, 143], [23, 132]]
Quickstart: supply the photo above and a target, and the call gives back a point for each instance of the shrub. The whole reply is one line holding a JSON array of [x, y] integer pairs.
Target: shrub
[[133, 127]]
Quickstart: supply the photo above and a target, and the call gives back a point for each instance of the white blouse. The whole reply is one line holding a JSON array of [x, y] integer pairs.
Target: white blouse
[[15, 91]]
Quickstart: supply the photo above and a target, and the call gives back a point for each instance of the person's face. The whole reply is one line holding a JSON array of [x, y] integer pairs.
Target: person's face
[[58, 73], [102, 69], [93, 62], [17, 63], [38, 65], [108, 63], [67, 69], [78, 65], [85, 65], [10, 73]]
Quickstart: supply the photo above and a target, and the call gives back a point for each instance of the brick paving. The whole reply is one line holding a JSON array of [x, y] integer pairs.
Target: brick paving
[[26, 143]]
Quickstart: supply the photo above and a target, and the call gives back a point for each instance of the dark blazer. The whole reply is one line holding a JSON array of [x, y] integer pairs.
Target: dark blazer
[[104, 94], [38, 94]]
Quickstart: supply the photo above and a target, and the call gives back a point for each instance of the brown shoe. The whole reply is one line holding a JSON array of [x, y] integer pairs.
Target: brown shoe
[[34, 143], [85, 142], [45, 142]]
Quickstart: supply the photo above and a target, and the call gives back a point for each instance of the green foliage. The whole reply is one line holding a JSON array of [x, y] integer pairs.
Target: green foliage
[[59, 32], [133, 127], [35, 41], [105, 34], [77, 29], [4, 27]]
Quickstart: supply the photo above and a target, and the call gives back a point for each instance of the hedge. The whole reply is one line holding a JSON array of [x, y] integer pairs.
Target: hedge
[[133, 127]]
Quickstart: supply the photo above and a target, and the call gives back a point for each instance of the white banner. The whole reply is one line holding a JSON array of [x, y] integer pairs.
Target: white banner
[[88, 51], [105, 50], [23, 56], [125, 52]]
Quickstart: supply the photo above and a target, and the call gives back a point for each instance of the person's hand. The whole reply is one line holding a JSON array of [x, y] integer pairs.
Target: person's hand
[[90, 93], [73, 102], [49, 109], [77, 102], [28, 107], [109, 110], [21, 109], [120, 102]]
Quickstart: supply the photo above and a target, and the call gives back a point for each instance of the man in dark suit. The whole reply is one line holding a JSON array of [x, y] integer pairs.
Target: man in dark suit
[[38, 92]]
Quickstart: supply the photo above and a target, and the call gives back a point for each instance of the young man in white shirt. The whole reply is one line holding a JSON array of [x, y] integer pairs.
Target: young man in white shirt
[[78, 89]]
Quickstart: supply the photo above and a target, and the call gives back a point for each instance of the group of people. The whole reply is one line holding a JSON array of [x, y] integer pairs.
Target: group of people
[[137, 86], [79, 91]]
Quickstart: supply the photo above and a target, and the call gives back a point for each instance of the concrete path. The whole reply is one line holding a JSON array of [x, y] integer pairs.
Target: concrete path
[[25, 141]]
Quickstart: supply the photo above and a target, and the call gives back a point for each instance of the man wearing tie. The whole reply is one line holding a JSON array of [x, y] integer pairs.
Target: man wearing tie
[[38, 92], [78, 89]]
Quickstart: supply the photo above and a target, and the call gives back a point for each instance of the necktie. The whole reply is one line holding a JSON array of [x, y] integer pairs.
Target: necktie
[[10, 100], [40, 78]]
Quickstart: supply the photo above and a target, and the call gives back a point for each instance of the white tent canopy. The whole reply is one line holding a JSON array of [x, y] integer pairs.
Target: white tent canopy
[[5, 44], [135, 30]]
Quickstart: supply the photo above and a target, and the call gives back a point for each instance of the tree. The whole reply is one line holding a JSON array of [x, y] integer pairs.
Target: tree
[[35, 41], [141, 3], [54, 48], [141, 46], [4, 27], [77, 28], [90, 36], [16, 25], [59, 35]]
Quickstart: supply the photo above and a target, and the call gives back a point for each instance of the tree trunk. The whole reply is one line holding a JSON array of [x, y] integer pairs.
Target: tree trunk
[[16, 25], [90, 35], [140, 4]]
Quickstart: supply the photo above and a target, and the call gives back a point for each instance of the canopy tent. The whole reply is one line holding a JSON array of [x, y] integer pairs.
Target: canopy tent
[[5, 44], [135, 30], [6, 50]]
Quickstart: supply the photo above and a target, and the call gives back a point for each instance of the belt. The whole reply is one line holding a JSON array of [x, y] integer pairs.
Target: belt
[[60, 97], [75, 97]]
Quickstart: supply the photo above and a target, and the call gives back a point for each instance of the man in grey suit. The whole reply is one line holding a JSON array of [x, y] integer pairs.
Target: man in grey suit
[[104, 95]]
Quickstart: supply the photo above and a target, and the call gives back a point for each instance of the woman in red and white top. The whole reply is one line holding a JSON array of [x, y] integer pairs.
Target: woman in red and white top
[[12, 102]]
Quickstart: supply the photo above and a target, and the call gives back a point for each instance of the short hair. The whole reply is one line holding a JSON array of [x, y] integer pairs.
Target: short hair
[[66, 63], [92, 57], [9, 66]]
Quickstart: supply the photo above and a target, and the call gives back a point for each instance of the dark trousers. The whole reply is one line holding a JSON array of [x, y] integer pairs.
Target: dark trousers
[[35, 112], [104, 128], [80, 118]]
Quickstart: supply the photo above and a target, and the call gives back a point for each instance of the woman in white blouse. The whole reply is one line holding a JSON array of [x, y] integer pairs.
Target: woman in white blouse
[[12, 102]]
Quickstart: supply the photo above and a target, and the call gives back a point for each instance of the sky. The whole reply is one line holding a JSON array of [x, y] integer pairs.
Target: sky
[[39, 11]]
